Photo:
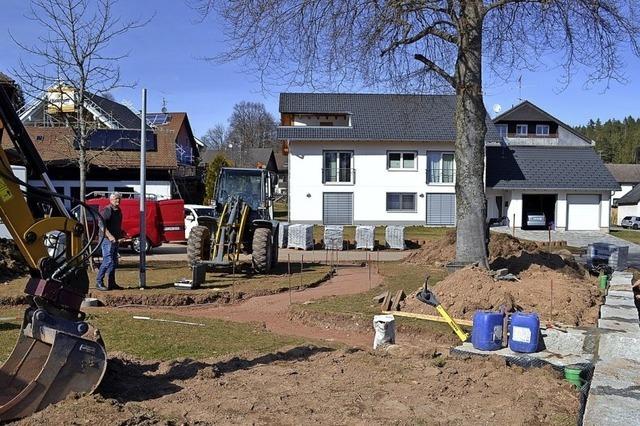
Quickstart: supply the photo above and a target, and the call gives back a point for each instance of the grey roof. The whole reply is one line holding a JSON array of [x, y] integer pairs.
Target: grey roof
[[121, 113], [625, 173], [511, 113], [631, 198], [547, 167], [378, 117]]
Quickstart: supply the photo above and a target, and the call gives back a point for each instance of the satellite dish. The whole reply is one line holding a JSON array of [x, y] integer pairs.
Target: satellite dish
[[497, 108]]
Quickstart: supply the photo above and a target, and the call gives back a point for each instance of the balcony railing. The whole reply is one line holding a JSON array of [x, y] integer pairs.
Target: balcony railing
[[335, 175], [441, 175]]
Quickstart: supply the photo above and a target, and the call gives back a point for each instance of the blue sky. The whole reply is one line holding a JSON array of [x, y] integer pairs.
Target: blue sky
[[165, 57]]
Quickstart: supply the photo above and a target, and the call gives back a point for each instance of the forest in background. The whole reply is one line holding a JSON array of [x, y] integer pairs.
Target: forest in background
[[617, 141]]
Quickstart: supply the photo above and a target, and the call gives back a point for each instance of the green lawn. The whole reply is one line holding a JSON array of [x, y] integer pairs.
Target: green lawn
[[627, 234], [362, 307], [152, 340], [161, 275]]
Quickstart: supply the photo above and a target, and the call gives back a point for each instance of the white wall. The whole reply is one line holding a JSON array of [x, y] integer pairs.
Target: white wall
[[316, 119], [515, 206], [372, 181], [160, 188], [623, 191]]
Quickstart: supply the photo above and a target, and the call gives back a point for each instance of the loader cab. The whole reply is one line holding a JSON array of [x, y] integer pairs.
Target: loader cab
[[253, 186]]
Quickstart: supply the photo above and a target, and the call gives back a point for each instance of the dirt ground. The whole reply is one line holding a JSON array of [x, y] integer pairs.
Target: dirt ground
[[556, 295], [12, 264], [443, 249], [552, 284], [320, 385], [415, 382], [272, 311]]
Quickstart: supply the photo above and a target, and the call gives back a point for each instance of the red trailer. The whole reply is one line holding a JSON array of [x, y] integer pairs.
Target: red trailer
[[164, 220]]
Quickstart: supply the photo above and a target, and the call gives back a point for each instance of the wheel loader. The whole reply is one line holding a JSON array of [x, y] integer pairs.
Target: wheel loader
[[243, 222], [57, 351]]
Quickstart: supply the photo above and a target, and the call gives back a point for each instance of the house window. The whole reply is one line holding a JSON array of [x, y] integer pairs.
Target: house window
[[542, 129], [401, 161], [338, 167], [522, 129], [503, 129], [401, 202], [440, 167], [326, 123]]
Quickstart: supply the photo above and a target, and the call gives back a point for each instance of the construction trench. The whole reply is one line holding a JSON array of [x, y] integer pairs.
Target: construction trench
[[425, 377]]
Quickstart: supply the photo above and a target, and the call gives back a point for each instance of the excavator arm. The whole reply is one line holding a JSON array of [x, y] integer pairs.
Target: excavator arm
[[57, 352]]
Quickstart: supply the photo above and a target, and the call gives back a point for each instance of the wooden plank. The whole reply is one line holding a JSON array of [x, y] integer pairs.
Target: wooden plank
[[399, 297], [436, 318]]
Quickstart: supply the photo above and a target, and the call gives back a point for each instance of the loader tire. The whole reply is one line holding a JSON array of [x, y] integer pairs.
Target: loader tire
[[262, 250], [199, 245]]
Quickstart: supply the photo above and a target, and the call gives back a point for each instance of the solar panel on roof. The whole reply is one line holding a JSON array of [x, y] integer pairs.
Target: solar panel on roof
[[158, 119]]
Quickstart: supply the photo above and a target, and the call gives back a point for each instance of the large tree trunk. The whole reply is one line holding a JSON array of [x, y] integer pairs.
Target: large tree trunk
[[471, 203]]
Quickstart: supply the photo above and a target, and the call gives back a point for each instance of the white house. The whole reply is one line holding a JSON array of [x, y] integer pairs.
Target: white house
[[627, 176], [389, 159], [629, 204], [370, 158], [544, 166]]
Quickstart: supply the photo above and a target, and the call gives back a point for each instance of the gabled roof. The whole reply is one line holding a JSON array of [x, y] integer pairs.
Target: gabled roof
[[631, 198], [377, 117], [56, 146], [625, 173], [547, 167], [122, 113], [112, 114], [515, 113]]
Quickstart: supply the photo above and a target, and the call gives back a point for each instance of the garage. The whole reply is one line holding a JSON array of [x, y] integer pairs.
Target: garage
[[583, 212], [538, 210]]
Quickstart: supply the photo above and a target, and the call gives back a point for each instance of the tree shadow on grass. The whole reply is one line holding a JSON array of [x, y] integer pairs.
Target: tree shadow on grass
[[127, 380]]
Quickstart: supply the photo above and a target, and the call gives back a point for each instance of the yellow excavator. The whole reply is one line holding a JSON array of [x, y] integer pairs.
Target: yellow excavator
[[57, 352]]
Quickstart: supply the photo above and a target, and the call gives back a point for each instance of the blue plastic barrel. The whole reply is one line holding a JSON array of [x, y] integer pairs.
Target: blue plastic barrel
[[486, 334], [524, 330]]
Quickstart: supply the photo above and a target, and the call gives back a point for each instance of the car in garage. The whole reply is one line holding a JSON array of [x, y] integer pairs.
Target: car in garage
[[631, 222], [536, 219]]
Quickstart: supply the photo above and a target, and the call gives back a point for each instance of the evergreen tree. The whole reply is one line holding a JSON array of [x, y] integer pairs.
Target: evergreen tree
[[213, 169]]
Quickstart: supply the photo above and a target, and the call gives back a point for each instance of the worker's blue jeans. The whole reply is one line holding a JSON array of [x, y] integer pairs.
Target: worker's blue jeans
[[109, 263]]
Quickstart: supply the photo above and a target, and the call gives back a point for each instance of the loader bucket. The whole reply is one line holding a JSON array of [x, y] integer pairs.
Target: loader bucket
[[52, 359]]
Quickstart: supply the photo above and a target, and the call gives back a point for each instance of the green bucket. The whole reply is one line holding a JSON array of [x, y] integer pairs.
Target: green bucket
[[572, 375], [603, 280]]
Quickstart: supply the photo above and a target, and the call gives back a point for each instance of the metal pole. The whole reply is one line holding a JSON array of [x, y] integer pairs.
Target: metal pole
[[289, 274], [301, 267], [143, 191]]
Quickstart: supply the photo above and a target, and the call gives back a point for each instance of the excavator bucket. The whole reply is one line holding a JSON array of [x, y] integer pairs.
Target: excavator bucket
[[52, 359]]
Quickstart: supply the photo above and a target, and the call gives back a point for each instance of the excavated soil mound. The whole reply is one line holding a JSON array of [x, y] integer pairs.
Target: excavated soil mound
[[443, 249], [554, 294], [316, 385], [12, 264]]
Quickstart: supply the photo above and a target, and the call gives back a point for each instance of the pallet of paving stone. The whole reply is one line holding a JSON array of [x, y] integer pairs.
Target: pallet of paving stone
[[365, 237], [300, 237], [394, 236], [333, 237], [613, 255], [283, 234]]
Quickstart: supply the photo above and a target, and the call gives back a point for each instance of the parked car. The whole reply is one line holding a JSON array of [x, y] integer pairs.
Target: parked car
[[191, 214], [536, 219], [164, 220], [631, 222]]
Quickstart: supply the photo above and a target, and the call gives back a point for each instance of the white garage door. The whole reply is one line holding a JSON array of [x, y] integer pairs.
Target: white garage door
[[584, 212]]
